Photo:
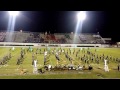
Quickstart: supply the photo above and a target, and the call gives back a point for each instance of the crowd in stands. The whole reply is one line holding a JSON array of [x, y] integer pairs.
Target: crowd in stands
[[2, 36], [67, 36], [63, 38]]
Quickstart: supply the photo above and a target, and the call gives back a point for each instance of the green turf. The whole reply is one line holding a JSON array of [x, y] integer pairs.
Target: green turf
[[12, 71]]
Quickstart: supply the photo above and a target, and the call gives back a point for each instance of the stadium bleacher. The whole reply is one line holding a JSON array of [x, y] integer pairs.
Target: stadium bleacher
[[2, 36], [60, 38]]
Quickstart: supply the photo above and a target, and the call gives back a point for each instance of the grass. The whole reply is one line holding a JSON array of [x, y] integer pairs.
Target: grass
[[12, 71]]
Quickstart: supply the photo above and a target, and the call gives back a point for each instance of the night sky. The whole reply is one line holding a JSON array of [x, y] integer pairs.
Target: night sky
[[64, 22]]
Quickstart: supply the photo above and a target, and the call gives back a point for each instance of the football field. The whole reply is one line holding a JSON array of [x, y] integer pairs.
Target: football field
[[12, 69]]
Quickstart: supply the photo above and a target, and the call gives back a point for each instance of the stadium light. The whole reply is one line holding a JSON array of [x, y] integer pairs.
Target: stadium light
[[81, 15], [13, 13], [11, 24]]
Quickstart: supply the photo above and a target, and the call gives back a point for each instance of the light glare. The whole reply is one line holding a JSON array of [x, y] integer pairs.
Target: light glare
[[81, 15], [13, 13]]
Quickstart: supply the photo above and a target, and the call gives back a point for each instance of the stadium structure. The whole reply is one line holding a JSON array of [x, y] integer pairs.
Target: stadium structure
[[56, 53], [25, 38], [60, 55]]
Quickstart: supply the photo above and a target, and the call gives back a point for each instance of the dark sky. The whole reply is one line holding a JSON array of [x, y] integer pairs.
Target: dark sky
[[64, 21]]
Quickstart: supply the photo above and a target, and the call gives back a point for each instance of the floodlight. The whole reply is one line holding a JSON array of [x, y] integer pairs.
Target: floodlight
[[81, 15], [13, 13]]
